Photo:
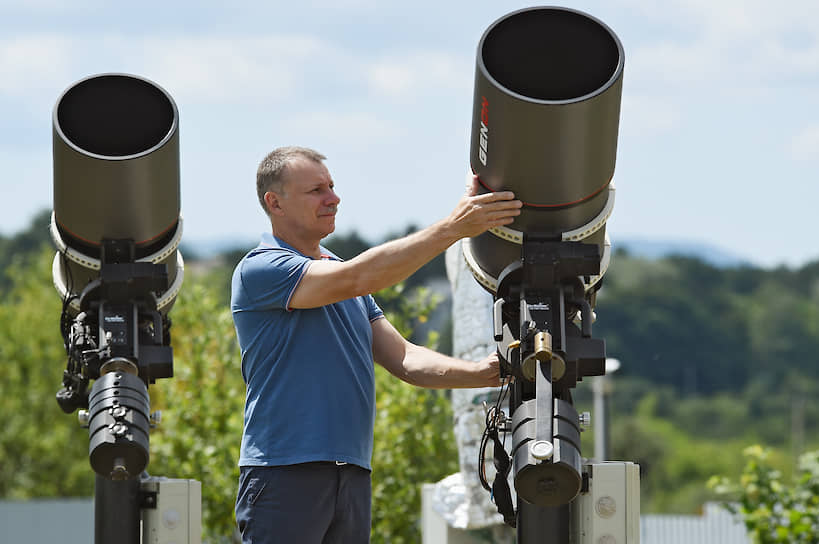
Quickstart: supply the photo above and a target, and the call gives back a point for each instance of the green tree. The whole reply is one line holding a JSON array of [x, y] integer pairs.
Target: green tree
[[202, 407], [774, 512], [24, 245], [414, 439], [44, 451], [674, 465]]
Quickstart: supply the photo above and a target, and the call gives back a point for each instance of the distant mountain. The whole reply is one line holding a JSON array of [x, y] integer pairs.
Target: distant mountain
[[657, 249]]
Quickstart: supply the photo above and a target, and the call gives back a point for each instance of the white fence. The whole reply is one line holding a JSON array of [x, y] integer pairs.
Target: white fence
[[59, 521], [71, 521], [714, 526]]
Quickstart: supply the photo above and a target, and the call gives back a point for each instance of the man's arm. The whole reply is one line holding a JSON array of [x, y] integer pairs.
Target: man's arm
[[424, 367], [326, 282]]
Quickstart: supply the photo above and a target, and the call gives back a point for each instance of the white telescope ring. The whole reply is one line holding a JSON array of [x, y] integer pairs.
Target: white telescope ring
[[574, 235], [482, 277], [58, 277], [94, 264], [491, 283]]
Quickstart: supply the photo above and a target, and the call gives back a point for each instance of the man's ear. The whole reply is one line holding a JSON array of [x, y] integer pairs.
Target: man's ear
[[272, 202]]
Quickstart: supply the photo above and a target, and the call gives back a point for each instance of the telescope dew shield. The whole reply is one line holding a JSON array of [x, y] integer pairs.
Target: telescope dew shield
[[116, 176], [546, 109]]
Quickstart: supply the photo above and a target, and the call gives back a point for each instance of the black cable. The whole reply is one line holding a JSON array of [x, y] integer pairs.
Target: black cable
[[490, 432]]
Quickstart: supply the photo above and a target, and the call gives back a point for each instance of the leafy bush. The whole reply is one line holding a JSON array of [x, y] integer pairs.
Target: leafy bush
[[774, 511]]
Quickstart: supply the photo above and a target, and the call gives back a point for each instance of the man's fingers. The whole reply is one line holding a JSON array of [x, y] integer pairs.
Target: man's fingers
[[502, 206], [495, 197], [472, 185]]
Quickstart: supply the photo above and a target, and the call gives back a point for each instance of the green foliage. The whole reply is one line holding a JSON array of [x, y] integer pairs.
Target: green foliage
[[674, 465], [701, 329], [774, 512], [44, 451], [681, 440], [414, 444], [202, 407], [24, 247], [414, 440]]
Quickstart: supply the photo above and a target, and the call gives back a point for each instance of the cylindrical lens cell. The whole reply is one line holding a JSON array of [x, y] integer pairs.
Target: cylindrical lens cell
[[546, 108], [551, 482], [118, 427]]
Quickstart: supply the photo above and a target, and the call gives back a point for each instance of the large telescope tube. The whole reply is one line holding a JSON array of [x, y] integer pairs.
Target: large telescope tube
[[545, 116], [117, 228], [546, 109], [116, 176]]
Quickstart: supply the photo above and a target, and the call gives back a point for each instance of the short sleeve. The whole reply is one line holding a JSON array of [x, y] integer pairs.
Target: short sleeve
[[267, 279], [373, 311]]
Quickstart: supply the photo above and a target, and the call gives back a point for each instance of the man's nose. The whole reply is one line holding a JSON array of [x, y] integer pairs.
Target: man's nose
[[333, 199]]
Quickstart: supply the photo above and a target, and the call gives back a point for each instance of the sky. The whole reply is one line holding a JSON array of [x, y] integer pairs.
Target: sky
[[719, 126]]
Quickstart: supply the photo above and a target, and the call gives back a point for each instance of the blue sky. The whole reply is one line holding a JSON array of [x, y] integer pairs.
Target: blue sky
[[719, 132]]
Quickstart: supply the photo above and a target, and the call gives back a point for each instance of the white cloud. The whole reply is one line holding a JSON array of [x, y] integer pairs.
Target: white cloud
[[731, 45], [418, 72], [805, 144], [392, 79], [222, 69], [33, 63], [734, 18]]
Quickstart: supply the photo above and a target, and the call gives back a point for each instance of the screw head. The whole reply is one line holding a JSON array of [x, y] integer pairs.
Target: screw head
[[119, 429], [606, 506], [542, 449]]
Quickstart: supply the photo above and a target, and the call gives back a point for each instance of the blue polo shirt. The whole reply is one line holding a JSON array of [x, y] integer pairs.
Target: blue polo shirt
[[309, 373]]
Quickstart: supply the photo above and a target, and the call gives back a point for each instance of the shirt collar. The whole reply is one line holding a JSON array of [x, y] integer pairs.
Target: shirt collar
[[268, 240]]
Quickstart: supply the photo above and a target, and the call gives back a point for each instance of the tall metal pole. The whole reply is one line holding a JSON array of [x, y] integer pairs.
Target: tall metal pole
[[116, 511]]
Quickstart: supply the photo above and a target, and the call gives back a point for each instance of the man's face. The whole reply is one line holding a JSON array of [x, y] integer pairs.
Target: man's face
[[308, 201]]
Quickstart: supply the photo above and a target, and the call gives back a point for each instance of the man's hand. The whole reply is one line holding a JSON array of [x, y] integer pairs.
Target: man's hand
[[476, 213], [490, 370]]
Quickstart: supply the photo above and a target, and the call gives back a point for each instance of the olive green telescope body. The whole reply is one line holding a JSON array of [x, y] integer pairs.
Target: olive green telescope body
[[546, 110], [116, 176]]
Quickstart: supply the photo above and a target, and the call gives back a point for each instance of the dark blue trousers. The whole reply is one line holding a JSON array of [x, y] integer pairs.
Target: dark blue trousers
[[308, 503]]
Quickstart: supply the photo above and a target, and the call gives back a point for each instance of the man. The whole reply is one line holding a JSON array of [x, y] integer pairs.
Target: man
[[309, 332]]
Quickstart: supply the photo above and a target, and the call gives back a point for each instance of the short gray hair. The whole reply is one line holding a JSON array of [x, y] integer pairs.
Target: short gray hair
[[270, 175]]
